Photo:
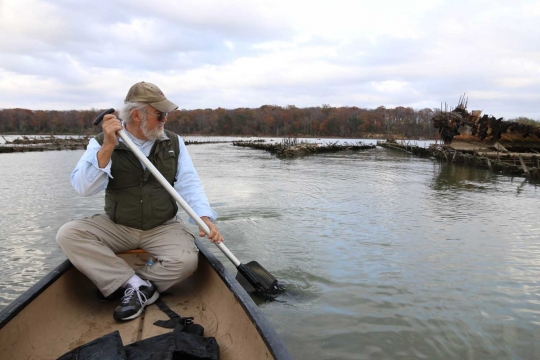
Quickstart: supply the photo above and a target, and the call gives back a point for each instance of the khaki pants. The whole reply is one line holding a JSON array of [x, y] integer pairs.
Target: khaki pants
[[91, 243]]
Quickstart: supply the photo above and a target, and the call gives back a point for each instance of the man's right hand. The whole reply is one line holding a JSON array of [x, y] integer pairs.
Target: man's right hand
[[110, 125]]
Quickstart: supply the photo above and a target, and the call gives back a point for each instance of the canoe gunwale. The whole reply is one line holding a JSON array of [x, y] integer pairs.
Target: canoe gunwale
[[266, 330], [32, 293], [274, 343]]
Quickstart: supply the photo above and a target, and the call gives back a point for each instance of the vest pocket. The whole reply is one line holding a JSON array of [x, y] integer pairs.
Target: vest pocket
[[166, 163]]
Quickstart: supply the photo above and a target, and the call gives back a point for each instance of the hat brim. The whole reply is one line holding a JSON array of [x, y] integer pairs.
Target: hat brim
[[164, 106]]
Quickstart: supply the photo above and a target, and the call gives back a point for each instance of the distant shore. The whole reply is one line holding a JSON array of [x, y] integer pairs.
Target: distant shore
[[365, 136]]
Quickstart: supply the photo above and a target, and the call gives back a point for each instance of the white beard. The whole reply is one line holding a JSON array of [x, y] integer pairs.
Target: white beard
[[157, 133]]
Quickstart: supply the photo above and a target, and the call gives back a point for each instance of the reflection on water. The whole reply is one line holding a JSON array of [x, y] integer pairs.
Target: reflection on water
[[451, 177], [385, 255]]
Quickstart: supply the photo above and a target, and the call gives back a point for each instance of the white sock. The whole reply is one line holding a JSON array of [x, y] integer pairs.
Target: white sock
[[135, 282]]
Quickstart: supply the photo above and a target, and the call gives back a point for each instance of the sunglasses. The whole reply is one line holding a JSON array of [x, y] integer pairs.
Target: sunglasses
[[160, 116]]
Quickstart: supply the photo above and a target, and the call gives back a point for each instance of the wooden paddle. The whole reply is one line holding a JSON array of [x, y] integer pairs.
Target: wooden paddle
[[252, 276]]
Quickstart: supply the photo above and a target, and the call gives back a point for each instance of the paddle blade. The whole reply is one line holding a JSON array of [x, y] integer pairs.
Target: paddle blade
[[245, 283], [253, 277]]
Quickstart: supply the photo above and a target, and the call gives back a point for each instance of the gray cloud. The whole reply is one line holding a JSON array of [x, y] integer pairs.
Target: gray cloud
[[64, 55]]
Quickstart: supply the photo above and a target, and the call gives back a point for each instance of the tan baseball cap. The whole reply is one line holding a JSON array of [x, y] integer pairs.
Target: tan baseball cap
[[149, 93]]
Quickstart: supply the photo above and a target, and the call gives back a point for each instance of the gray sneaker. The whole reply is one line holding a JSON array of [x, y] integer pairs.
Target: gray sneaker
[[135, 300]]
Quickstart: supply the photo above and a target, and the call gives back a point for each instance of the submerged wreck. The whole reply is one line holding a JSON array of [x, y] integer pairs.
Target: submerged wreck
[[512, 164], [290, 148], [54, 143], [486, 142], [43, 143]]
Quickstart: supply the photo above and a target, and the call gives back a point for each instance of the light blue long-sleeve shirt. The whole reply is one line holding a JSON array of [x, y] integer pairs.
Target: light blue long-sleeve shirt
[[89, 179]]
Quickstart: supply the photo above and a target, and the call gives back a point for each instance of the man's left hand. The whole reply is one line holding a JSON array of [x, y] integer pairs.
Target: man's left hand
[[214, 236]]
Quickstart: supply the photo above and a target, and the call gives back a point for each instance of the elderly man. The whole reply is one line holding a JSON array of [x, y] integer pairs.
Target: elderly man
[[139, 212]]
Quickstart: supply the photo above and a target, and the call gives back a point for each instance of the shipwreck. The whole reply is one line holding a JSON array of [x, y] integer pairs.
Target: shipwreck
[[482, 141], [461, 126]]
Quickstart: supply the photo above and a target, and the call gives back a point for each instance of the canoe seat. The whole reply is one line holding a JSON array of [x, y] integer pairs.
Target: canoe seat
[[132, 252]]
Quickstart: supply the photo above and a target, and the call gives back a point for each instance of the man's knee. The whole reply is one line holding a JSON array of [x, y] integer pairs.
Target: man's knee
[[65, 234], [71, 234], [182, 266], [190, 265]]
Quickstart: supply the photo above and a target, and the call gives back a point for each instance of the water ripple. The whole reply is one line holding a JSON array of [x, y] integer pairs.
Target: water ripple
[[386, 256]]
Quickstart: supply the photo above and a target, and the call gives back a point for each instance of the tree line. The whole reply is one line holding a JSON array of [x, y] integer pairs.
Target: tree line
[[268, 120]]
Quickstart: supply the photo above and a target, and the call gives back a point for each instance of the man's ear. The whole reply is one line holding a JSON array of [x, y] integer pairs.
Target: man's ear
[[135, 116]]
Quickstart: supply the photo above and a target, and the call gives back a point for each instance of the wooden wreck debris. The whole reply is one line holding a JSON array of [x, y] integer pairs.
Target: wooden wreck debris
[[499, 147], [194, 142], [48, 143], [290, 148], [513, 164], [43, 143], [461, 125]]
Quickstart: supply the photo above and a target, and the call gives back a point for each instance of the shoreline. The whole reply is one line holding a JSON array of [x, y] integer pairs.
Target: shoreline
[[374, 136]]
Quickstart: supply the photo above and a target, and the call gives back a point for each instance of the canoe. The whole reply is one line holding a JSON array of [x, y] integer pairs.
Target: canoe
[[62, 312]]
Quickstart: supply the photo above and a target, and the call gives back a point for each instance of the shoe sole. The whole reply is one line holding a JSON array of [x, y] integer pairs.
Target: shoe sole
[[149, 302]]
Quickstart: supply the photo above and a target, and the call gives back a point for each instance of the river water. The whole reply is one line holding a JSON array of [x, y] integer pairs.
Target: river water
[[386, 256]]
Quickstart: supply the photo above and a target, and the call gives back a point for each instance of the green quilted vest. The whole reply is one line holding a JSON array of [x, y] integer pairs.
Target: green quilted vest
[[133, 196]]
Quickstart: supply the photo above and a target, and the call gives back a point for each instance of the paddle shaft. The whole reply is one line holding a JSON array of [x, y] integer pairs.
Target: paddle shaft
[[175, 195]]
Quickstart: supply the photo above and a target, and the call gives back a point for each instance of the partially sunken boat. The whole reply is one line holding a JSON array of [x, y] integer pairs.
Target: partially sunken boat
[[485, 142], [460, 126], [291, 147], [494, 138]]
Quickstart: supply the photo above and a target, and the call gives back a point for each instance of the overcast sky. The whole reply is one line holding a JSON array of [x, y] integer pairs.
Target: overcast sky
[[76, 54]]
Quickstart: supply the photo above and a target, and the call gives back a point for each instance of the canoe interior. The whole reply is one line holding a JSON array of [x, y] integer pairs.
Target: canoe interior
[[68, 314]]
